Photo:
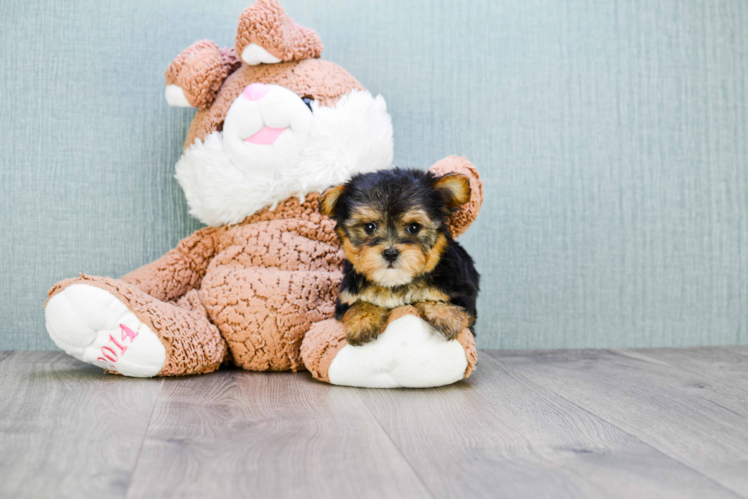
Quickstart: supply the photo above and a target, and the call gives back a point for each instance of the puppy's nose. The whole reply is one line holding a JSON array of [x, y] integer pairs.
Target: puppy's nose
[[390, 254], [256, 91]]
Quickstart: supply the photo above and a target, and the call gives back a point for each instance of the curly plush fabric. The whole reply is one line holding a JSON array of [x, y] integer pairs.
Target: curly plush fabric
[[199, 71], [467, 213], [322, 343], [323, 81], [276, 272], [266, 24], [230, 60]]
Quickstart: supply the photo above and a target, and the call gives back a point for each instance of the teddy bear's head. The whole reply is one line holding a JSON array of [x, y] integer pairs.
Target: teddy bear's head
[[274, 120]]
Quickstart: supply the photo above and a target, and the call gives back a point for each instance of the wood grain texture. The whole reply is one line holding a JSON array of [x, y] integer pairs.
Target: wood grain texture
[[500, 435], [4, 355], [695, 419], [267, 435], [532, 424], [612, 139], [68, 430], [728, 365], [14, 361]]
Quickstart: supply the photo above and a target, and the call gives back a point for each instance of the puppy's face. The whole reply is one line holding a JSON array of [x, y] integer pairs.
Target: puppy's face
[[392, 223], [391, 247]]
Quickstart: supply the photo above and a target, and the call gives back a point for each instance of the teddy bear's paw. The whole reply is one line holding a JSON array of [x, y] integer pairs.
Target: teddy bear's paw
[[409, 353], [94, 326]]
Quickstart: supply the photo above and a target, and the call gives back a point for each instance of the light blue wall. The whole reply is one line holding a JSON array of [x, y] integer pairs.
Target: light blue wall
[[612, 137]]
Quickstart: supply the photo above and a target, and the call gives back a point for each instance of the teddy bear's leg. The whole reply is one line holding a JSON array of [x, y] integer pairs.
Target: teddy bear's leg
[[264, 313], [409, 353], [115, 325]]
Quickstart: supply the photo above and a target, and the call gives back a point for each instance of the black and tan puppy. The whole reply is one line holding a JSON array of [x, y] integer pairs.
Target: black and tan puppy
[[399, 251]]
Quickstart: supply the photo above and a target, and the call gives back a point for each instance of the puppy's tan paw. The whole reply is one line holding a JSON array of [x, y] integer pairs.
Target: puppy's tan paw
[[363, 323], [447, 319]]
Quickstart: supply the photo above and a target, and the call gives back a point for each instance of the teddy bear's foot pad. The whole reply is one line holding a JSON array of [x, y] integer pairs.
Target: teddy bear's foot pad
[[407, 354], [94, 326]]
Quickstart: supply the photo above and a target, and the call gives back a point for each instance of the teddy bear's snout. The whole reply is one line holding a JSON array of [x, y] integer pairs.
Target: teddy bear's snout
[[256, 91]]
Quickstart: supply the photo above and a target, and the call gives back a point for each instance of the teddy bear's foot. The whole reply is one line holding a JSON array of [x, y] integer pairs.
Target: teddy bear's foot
[[113, 324], [94, 326], [409, 353]]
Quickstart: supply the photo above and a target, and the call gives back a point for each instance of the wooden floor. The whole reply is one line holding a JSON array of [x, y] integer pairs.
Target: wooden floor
[[643, 423]]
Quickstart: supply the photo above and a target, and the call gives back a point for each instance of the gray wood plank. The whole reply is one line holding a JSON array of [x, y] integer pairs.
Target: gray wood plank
[[67, 429], [16, 360], [4, 355], [728, 365], [241, 434], [696, 420], [500, 435]]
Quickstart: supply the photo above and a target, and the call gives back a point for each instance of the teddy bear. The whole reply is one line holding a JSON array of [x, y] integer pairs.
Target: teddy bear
[[275, 125]]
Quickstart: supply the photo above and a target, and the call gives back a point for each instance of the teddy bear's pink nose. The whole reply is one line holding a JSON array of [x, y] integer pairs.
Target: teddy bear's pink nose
[[256, 91]]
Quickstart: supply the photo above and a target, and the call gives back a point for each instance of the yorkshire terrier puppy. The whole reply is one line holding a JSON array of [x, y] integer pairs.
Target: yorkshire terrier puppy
[[399, 251]]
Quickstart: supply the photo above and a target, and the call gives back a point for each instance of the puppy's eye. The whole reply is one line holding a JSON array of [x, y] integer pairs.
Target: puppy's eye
[[413, 228], [370, 228], [308, 101]]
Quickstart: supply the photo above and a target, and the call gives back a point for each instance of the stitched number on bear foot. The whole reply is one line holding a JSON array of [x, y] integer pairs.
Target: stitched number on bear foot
[[111, 352], [127, 334]]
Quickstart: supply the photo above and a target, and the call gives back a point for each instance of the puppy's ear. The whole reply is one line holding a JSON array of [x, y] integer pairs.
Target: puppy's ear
[[329, 200], [455, 188]]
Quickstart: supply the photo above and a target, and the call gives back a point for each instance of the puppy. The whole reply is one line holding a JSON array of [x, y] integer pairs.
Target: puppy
[[399, 251]]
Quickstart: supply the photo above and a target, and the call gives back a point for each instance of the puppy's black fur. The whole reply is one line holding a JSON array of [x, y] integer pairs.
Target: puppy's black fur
[[399, 250], [455, 275]]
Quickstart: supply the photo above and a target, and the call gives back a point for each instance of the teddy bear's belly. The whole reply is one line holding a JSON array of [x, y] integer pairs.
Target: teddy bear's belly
[[270, 282], [288, 244], [263, 313]]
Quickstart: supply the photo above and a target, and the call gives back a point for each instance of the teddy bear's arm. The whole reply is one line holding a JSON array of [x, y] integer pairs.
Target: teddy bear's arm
[[179, 270], [194, 77], [406, 354], [461, 219]]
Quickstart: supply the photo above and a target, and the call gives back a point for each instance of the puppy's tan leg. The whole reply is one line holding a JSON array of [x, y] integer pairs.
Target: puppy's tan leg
[[364, 322], [447, 319]]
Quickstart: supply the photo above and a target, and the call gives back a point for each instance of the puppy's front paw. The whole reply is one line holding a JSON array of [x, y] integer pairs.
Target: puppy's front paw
[[364, 322], [447, 319]]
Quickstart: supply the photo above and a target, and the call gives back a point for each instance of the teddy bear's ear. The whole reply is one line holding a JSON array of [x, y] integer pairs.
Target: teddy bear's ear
[[195, 76], [454, 172], [266, 34]]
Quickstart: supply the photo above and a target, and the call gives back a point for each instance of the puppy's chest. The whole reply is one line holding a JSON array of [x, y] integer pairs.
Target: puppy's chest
[[390, 298]]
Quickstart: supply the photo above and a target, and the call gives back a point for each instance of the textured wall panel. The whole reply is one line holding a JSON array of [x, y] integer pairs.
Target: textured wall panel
[[612, 138]]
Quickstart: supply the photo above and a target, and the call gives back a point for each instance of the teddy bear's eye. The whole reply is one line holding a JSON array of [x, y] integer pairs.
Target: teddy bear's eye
[[308, 101], [370, 228]]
